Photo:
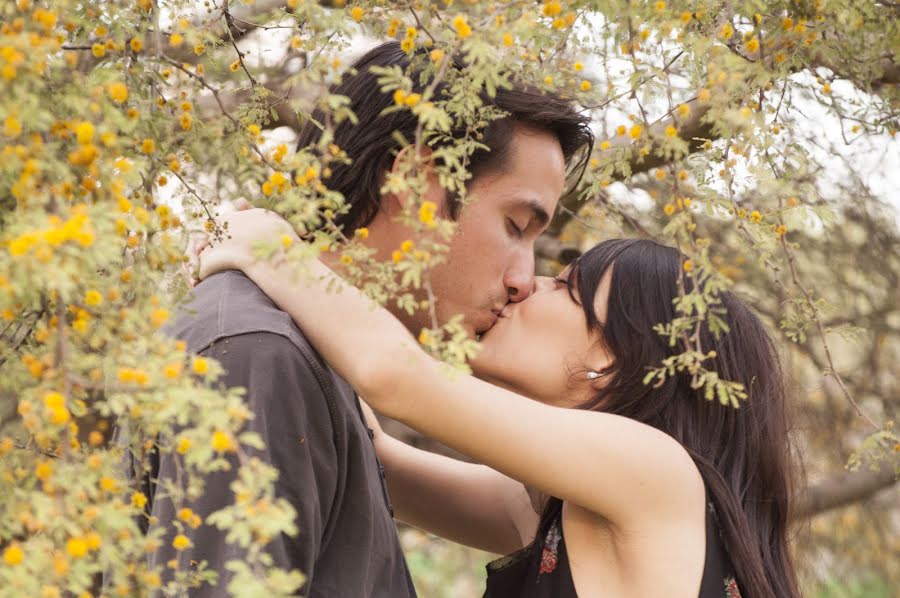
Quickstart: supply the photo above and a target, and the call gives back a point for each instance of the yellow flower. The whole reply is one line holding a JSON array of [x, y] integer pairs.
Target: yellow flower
[[200, 366], [76, 547], [683, 110], [286, 241], [199, 49], [138, 500], [12, 127], [686, 17], [755, 217], [426, 212], [585, 85], [635, 131], [118, 92], [346, 260], [186, 122], [43, 470], [13, 555], [137, 44], [234, 66], [399, 97], [84, 132], [60, 565], [93, 297], [184, 445], [6, 445], [407, 45], [461, 27], [704, 95], [148, 146], [660, 6], [436, 55], [621, 130], [46, 18], [362, 233], [54, 400], [688, 265], [752, 45], [407, 246], [172, 370], [507, 40], [424, 337], [108, 484], [159, 317], [98, 50], [59, 416], [727, 31], [781, 230], [411, 32], [180, 542], [577, 66], [222, 442], [413, 99], [548, 80], [669, 209], [551, 9], [176, 40], [396, 256], [357, 13], [671, 131]]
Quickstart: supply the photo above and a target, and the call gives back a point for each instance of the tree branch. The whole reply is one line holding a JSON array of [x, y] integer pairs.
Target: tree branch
[[844, 490]]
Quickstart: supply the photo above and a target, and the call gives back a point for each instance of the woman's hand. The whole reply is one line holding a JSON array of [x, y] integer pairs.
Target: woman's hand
[[244, 230]]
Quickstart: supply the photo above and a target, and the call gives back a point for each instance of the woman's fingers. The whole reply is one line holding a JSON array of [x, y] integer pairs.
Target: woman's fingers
[[197, 242]]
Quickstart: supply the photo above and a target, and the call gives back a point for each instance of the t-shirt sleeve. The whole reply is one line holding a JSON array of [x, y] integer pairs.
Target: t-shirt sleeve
[[291, 414]]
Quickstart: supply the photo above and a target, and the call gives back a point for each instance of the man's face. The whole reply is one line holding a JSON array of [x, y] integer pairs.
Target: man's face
[[490, 260]]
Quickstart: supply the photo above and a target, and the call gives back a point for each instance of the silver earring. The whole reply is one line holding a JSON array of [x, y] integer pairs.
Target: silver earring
[[593, 375]]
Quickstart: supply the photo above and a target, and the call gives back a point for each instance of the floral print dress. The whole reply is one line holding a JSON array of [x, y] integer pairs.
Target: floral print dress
[[541, 570]]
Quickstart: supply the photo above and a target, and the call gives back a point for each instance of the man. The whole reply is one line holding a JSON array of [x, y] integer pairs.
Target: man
[[309, 418]]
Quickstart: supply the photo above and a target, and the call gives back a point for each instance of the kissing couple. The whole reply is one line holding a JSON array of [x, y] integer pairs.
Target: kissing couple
[[590, 482]]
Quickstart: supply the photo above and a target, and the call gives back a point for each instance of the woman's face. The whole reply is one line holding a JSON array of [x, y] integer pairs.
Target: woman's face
[[541, 347]]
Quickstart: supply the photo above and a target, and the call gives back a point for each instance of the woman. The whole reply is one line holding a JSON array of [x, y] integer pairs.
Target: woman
[[599, 485]]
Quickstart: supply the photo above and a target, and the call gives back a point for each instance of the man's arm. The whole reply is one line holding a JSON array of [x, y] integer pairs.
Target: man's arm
[[291, 415]]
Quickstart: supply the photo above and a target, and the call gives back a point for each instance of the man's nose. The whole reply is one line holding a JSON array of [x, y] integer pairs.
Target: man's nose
[[519, 280]]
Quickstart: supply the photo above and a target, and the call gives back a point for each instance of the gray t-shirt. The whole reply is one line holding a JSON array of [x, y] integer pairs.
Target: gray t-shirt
[[315, 436]]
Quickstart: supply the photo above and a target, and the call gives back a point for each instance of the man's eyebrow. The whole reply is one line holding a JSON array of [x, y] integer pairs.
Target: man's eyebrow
[[540, 214]]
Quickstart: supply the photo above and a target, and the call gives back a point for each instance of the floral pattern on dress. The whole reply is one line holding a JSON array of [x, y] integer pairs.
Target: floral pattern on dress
[[550, 554], [731, 588]]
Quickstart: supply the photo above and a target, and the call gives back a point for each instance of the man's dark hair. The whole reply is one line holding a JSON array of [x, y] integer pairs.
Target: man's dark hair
[[371, 143]]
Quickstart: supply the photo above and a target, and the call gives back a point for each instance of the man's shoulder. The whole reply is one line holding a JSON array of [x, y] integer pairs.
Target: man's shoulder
[[229, 304]]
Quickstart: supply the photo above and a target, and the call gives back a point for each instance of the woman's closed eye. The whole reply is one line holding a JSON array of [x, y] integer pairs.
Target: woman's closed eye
[[559, 280]]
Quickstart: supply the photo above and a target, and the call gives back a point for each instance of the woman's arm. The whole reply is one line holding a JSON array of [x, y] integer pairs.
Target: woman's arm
[[608, 464], [467, 503]]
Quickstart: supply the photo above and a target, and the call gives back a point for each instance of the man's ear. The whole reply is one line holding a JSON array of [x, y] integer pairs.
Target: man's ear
[[393, 203]]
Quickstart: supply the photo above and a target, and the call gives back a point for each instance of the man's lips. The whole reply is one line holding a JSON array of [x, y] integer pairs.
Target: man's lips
[[495, 315]]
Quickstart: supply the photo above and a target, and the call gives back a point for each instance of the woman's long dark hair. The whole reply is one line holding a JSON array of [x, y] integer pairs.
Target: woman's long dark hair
[[743, 454]]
